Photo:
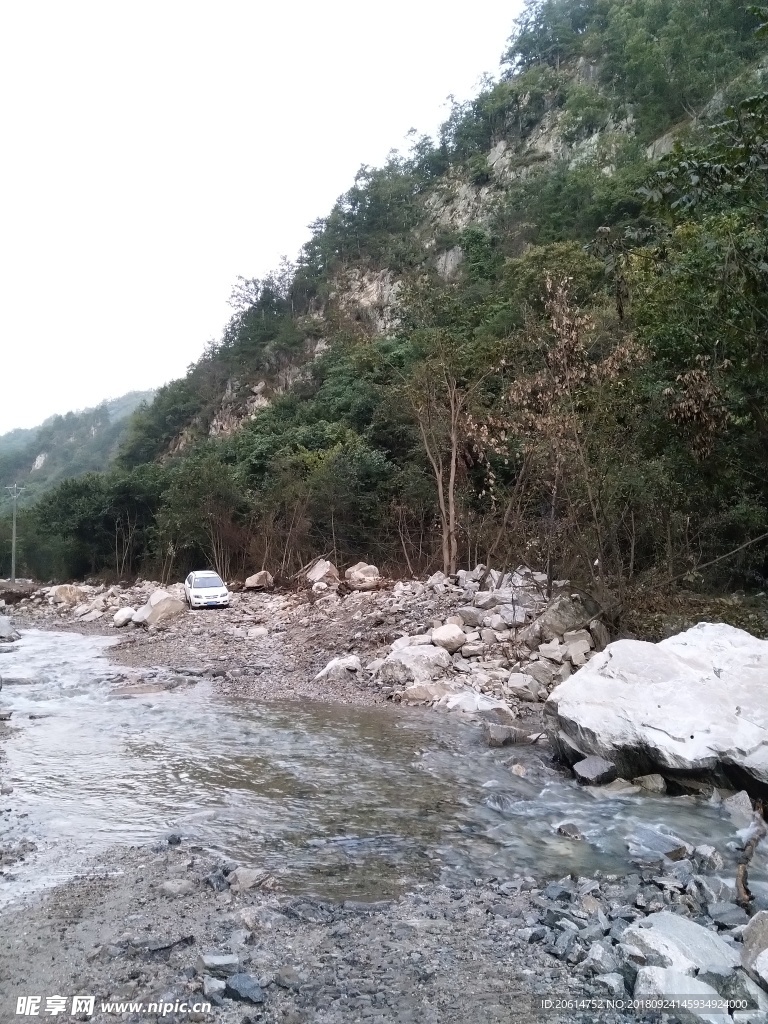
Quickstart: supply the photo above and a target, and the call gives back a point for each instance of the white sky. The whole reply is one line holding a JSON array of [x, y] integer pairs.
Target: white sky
[[153, 151]]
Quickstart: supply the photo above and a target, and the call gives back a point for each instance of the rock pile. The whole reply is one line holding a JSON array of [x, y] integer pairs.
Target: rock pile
[[505, 643]]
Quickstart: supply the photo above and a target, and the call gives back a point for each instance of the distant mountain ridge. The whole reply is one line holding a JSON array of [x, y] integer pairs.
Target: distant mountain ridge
[[66, 446]]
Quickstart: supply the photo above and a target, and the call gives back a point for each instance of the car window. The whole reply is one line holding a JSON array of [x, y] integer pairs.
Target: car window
[[207, 583]]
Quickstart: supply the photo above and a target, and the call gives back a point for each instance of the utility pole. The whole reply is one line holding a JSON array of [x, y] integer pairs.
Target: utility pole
[[14, 492]]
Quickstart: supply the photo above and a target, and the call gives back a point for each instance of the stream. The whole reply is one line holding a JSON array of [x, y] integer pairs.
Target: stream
[[337, 801]]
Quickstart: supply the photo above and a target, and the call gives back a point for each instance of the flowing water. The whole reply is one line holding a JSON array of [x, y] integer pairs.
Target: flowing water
[[338, 801]]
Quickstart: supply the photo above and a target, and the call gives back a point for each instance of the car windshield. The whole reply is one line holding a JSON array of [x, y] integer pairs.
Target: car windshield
[[207, 582]]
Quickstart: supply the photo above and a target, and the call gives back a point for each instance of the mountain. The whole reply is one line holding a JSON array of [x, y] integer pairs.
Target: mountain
[[539, 337], [66, 446]]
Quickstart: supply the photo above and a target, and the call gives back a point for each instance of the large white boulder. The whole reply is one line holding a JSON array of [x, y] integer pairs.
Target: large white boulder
[[362, 576], [7, 633], [260, 580], [340, 669], [696, 702], [160, 607], [449, 636], [679, 944], [323, 571], [123, 616], [414, 665]]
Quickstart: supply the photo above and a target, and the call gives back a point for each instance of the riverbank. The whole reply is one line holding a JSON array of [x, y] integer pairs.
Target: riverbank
[[133, 927]]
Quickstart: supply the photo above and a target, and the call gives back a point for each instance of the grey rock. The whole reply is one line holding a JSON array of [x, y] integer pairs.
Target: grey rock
[[600, 959], [739, 809], [648, 843], [594, 771], [213, 986], [708, 858], [7, 633], [177, 887], [651, 783], [471, 616], [727, 915], [502, 735], [671, 941], [220, 965], [570, 831], [611, 985], [245, 988], [600, 635], [754, 939], [522, 686], [659, 982]]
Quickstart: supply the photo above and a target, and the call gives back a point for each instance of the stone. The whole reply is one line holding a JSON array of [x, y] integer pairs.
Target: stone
[[362, 576], [600, 635], [414, 665], [651, 783], [437, 579], [501, 735], [675, 942], [213, 986], [260, 580], [661, 983], [708, 858], [611, 985], [257, 633], [576, 652], [754, 939], [648, 843], [739, 809], [485, 600], [727, 915], [123, 616], [594, 771], [522, 686], [619, 787], [67, 594], [542, 671], [511, 615], [599, 959], [450, 636], [566, 612], [577, 636], [161, 607], [340, 670], [759, 969], [428, 691], [570, 831], [553, 651], [92, 615], [322, 571], [220, 965], [693, 703], [471, 702], [471, 616], [7, 633], [177, 887], [243, 878], [245, 988]]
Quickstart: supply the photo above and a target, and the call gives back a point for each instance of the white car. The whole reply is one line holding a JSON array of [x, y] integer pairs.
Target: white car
[[206, 589]]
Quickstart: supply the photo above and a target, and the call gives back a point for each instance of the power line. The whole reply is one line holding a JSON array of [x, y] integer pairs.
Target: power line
[[14, 492]]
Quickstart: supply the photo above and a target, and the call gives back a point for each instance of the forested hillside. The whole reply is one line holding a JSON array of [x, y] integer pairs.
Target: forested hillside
[[540, 337], [66, 446]]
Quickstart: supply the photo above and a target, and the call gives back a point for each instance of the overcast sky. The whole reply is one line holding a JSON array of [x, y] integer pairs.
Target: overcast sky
[[153, 151]]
